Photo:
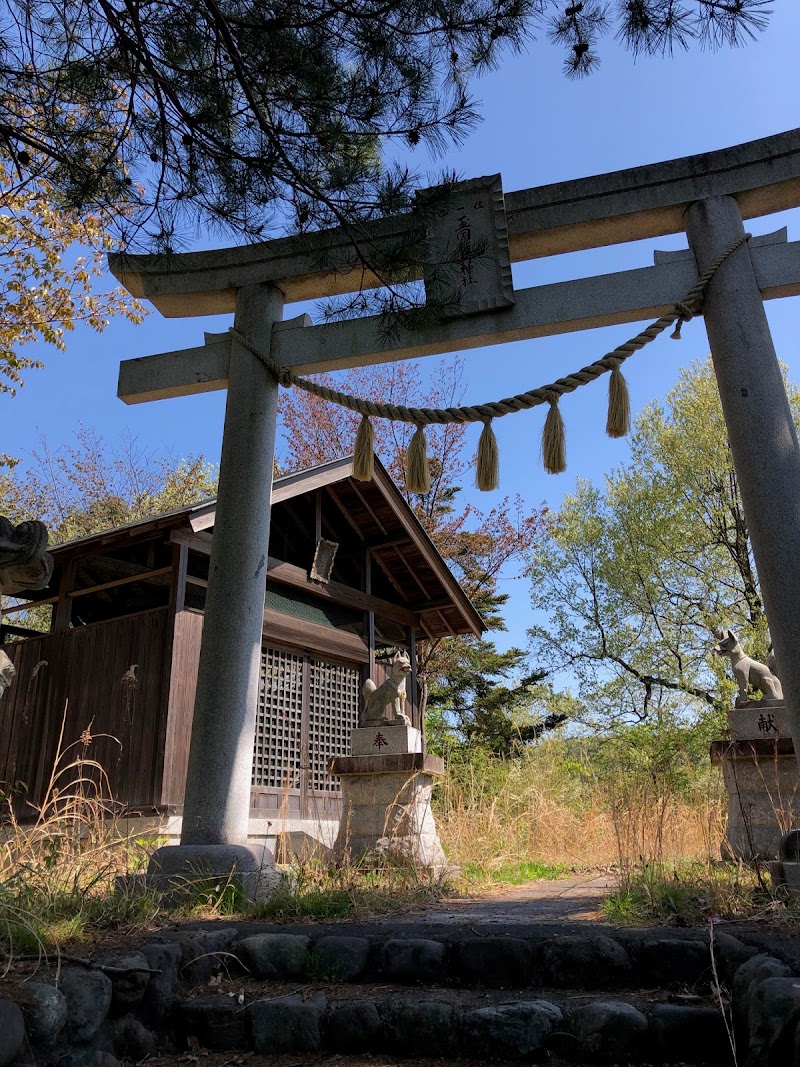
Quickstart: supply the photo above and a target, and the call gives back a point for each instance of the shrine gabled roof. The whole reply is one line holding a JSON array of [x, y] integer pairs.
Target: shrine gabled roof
[[375, 511]]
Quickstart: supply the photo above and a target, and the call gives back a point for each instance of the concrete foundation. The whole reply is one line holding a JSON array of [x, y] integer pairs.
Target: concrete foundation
[[386, 810], [286, 839], [177, 868]]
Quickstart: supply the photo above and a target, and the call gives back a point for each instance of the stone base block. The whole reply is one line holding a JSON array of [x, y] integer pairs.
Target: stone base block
[[763, 788], [762, 719], [785, 874], [177, 869], [385, 740], [386, 814]]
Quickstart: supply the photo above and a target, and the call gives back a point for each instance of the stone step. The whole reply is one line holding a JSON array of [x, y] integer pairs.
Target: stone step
[[472, 994], [509, 1026], [575, 961]]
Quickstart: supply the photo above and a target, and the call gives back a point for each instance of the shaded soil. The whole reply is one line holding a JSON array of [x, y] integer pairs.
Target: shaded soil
[[251, 1059]]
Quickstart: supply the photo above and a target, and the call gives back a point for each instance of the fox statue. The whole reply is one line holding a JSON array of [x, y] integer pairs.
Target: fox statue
[[391, 693], [747, 671]]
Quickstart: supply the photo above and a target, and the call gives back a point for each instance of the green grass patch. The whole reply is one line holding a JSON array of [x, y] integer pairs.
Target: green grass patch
[[692, 893], [514, 873], [314, 889]]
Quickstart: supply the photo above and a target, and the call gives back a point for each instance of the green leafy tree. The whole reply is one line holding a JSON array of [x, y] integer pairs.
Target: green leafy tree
[[244, 113], [52, 260], [485, 698], [89, 485], [639, 575]]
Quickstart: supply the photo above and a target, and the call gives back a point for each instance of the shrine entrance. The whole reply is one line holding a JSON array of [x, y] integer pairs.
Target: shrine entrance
[[472, 237]]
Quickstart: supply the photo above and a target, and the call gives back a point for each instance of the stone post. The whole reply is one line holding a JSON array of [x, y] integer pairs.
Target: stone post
[[760, 428], [217, 800]]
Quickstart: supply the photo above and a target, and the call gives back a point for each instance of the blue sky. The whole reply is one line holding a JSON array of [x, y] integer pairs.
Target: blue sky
[[537, 128]]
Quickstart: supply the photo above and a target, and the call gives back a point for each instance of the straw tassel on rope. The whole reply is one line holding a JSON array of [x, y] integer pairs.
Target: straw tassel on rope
[[554, 444], [364, 451], [487, 462], [553, 437], [618, 423], [418, 475]]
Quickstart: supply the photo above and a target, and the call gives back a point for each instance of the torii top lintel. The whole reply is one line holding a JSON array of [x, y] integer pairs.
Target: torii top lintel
[[625, 205]]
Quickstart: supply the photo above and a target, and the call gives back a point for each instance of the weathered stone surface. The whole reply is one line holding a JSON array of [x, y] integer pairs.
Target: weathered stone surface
[[513, 1030], [161, 988], [772, 1020], [413, 960], [287, 1024], [691, 1034], [748, 672], [88, 996], [388, 814], [389, 694], [419, 1026], [749, 975], [338, 959], [274, 955], [182, 871], [353, 1027], [789, 848], [584, 962], [206, 955], [103, 1038], [730, 953], [385, 740], [12, 1031], [762, 799], [132, 1039], [756, 719], [565, 217], [609, 1030], [45, 1011], [674, 962], [87, 1058], [760, 428], [217, 1022], [128, 988], [504, 962]]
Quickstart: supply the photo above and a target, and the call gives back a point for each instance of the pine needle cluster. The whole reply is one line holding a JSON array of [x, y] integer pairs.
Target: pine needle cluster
[[285, 116]]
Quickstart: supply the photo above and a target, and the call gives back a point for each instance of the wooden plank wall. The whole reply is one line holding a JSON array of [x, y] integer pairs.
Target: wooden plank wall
[[108, 677], [182, 688]]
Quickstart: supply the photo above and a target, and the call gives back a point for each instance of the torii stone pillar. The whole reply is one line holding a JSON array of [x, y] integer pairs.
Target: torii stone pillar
[[761, 431], [217, 800]]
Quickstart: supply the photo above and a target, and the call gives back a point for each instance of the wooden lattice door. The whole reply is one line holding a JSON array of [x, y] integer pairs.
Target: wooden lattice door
[[306, 710]]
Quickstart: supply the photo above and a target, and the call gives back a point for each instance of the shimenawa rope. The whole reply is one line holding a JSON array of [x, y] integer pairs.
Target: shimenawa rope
[[553, 437]]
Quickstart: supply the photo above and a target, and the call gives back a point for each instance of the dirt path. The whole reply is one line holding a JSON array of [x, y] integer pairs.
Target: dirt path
[[544, 900]]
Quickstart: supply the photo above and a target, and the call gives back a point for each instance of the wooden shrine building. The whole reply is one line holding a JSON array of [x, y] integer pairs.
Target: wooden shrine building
[[351, 572]]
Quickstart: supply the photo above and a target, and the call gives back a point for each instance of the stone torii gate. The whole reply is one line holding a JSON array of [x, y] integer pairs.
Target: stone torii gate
[[707, 196]]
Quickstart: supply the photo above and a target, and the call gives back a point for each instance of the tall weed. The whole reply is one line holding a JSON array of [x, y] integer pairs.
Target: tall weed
[[59, 859], [580, 803]]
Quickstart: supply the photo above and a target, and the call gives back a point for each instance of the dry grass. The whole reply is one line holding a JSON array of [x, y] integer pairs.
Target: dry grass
[[553, 808], [58, 865], [695, 892], [557, 808]]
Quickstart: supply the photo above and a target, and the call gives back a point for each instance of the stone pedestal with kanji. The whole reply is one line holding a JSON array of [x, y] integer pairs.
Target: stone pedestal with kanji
[[760, 774], [386, 799]]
